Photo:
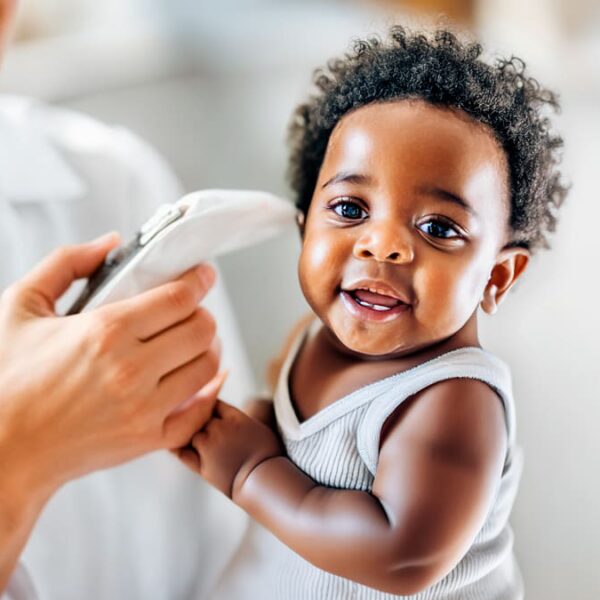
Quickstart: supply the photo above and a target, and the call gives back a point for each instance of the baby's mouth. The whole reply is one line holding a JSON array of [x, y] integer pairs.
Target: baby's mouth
[[374, 300], [373, 303]]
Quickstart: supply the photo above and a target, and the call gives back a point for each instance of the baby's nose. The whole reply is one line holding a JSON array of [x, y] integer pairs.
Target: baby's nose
[[385, 244]]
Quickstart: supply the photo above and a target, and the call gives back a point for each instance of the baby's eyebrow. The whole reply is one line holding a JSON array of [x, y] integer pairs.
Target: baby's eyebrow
[[348, 177], [448, 197], [442, 194]]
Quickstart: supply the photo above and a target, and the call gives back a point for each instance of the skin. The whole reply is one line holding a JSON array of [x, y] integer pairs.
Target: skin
[[8, 8], [414, 199], [90, 391]]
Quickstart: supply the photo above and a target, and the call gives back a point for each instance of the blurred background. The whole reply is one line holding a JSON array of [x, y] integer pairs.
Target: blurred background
[[212, 85]]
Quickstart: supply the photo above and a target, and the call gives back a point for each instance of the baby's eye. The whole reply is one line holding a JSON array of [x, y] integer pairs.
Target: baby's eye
[[347, 209], [439, 229]]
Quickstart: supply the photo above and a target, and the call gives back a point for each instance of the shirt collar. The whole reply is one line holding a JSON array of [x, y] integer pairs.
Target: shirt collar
[[31, 167]]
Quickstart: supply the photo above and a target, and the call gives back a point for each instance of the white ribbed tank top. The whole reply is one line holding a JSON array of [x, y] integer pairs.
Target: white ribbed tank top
[[339, 447]]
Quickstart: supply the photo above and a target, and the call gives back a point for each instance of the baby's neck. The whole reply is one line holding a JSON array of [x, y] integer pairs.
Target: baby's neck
[[466, 336], [324, 370]]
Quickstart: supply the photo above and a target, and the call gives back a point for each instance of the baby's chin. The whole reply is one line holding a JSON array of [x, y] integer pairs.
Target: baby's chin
[[366, 346]]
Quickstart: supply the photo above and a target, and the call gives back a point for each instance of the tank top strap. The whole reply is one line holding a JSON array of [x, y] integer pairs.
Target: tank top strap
[[284, 410], [470, 362]]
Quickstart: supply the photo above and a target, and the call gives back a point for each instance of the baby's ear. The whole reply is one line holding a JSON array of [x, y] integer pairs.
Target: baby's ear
[[300, 221], [510, 265]]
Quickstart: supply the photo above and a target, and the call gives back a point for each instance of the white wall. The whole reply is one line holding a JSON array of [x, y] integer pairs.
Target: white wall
[[548, 331], [217, 106]]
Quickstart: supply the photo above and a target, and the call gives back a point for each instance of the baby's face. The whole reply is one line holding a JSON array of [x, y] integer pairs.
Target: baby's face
[[406, 222]]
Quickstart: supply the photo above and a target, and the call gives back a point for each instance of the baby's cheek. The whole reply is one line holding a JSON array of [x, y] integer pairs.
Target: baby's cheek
[[318, 270], [446, 300], [319, 253]]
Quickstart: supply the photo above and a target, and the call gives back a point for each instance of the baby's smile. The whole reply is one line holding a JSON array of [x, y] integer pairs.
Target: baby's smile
[[374, 301]]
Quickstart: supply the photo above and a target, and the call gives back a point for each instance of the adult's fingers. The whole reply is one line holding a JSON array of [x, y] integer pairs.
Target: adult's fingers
[[160, 308], [180, 384], [210, 391], [181, 343], [189, 417], [47, 282], [180, 427]]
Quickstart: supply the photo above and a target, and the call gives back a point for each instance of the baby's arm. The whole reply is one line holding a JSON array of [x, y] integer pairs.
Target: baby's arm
[[439, 465]]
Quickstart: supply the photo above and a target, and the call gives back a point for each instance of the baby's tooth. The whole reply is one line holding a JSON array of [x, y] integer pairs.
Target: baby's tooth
[[380, 308], [377, 307]]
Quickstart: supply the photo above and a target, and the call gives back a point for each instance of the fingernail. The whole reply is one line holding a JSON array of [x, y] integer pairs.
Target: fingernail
[[104, 238], [206, 274], [221, 378], [213, 387]]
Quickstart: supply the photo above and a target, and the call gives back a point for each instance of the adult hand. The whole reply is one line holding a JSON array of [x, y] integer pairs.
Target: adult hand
[[89, 391]]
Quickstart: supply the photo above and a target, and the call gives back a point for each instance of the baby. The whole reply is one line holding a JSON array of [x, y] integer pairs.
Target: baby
[[425, 178]]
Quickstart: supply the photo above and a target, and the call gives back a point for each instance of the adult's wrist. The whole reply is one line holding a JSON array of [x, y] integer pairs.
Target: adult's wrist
[[24, 486], [22, 498]]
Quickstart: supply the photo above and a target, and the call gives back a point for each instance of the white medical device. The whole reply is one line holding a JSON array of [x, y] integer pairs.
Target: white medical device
[[200, 226]]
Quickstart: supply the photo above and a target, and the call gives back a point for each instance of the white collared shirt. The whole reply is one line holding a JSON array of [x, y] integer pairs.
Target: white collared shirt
[[146, 529]]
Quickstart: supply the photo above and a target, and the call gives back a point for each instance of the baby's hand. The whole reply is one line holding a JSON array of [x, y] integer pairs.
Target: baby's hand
[[230, 446], [262, 410]]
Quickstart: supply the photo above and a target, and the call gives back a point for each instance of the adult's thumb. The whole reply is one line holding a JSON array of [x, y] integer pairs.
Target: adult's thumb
[[52, 277]]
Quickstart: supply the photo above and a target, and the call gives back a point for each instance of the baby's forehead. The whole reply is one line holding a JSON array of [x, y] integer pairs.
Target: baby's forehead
[[415, 143], [411, 128], [414, 116]]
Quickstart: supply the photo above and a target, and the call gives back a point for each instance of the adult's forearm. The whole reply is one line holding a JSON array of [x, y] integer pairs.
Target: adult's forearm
[[15, 528], [22, 498], [345, 532]]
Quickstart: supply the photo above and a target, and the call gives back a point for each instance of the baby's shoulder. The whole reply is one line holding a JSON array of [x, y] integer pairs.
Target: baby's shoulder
[[275, 365], [461, 420]]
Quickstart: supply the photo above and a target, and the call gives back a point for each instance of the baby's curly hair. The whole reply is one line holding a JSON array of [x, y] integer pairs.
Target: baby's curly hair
[[444, 71]]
